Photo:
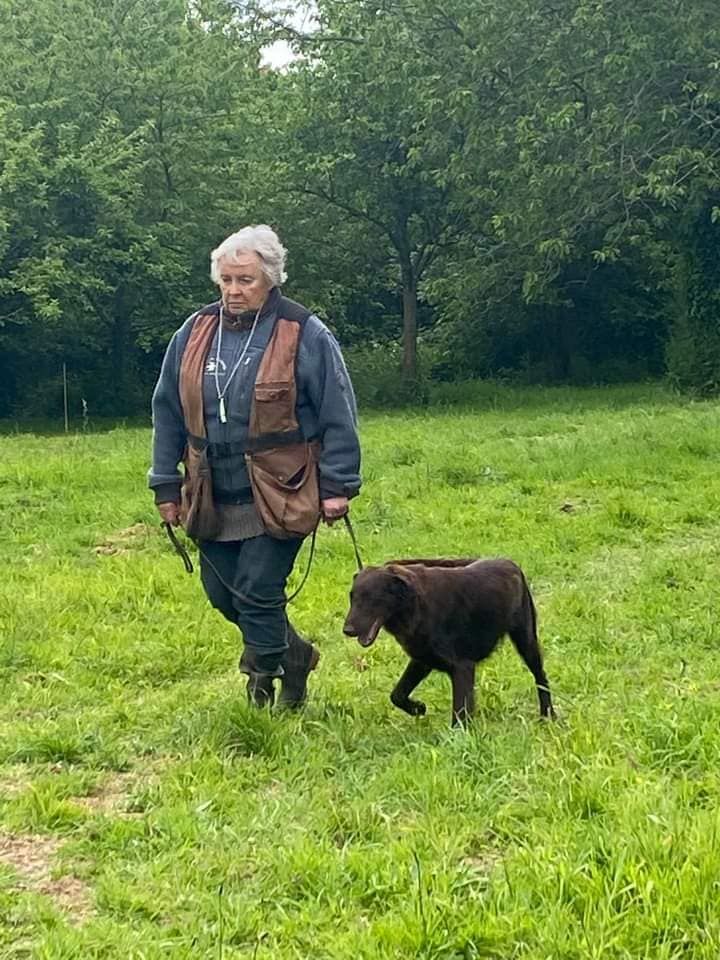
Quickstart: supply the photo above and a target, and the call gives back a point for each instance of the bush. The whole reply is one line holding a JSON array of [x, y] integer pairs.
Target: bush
[[693, 349], [376, 373]]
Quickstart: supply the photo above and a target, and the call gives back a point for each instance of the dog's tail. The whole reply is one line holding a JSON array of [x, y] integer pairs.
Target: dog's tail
[[529, 649]]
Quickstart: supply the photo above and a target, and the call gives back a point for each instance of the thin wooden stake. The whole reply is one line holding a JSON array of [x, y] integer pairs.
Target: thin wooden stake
[[65, 398]]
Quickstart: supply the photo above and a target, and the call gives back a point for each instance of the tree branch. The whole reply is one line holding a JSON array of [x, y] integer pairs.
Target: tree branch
[[353, 212]]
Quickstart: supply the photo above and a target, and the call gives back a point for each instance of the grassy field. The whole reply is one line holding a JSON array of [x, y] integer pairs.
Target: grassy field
[[146, 812]]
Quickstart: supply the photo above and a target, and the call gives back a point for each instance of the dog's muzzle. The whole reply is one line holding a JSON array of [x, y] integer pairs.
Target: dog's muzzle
[[364, 639]]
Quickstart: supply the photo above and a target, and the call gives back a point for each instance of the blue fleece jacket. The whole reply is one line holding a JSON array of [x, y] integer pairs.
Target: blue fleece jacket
[[325, 408]]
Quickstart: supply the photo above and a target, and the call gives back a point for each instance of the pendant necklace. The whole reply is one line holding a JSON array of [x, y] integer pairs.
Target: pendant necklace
[[222, 413]]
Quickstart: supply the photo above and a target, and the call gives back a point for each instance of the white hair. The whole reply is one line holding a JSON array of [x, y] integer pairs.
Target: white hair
[[260, 239]]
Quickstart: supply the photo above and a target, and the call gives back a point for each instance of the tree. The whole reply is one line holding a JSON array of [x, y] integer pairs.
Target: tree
[[353, 139], [592, 138], [540, 179], [122, 162]]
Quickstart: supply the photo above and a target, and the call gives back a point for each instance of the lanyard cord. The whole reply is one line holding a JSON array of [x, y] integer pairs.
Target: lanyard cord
[[221, 394]]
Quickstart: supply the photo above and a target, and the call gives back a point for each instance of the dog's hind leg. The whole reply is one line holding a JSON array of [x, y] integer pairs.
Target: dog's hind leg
[[526, 643], [413, 674], [462, 676]]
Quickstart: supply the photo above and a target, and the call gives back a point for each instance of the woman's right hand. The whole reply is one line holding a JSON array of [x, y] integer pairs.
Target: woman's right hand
[[170, 513]]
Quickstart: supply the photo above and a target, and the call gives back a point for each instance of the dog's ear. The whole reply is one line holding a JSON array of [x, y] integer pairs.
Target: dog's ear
[[402, 580]]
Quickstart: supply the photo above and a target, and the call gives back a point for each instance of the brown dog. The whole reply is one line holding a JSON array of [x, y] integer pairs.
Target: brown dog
[[447, 615]]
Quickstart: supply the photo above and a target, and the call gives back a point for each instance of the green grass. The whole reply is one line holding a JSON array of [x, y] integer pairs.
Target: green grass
[[188, 826]]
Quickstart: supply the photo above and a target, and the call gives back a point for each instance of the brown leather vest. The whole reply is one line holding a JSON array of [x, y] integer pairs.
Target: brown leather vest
[[281, 464]]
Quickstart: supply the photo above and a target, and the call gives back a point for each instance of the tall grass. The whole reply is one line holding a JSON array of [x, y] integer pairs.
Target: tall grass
[[199, 828]]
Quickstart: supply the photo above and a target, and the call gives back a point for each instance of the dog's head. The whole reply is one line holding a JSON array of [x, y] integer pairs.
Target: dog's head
[[378, 595]]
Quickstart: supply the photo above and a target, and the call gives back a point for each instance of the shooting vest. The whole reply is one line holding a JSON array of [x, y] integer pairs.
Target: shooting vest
[[282, 465]]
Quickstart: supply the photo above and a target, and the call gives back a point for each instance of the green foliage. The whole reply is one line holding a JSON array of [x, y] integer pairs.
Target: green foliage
[[376, 372], [693, 349], [525, 178], [356, 163], [591, 136], [112, 190]]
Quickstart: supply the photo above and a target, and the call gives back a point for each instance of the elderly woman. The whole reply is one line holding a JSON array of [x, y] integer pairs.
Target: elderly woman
[[247, 384]]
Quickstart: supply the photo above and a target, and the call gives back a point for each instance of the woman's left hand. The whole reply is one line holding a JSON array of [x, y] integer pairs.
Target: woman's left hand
[[334, 508]]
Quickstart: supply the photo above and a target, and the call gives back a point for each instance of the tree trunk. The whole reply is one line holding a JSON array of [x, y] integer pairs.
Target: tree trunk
[[409, 360]]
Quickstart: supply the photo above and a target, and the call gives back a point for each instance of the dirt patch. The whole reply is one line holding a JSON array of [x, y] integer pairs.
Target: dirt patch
[[31, 858], [13, 780], [111, 797], [127, 540]]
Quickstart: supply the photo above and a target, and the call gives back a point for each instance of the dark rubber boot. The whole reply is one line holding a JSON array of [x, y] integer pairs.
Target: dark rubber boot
[[260, 688], [299, 660]]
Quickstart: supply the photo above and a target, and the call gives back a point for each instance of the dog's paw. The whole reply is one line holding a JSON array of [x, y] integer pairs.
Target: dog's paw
[[416, 708]]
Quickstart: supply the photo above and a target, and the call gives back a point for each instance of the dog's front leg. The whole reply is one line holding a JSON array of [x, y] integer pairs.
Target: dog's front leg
[[414, 673], [463, 691]]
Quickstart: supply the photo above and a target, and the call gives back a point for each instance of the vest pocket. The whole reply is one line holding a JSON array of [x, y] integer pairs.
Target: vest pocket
[[286, 489], [265, 392], [274, 407], [197, 507]]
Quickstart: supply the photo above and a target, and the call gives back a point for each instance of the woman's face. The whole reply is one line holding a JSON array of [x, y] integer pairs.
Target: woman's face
[[243, 285]]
